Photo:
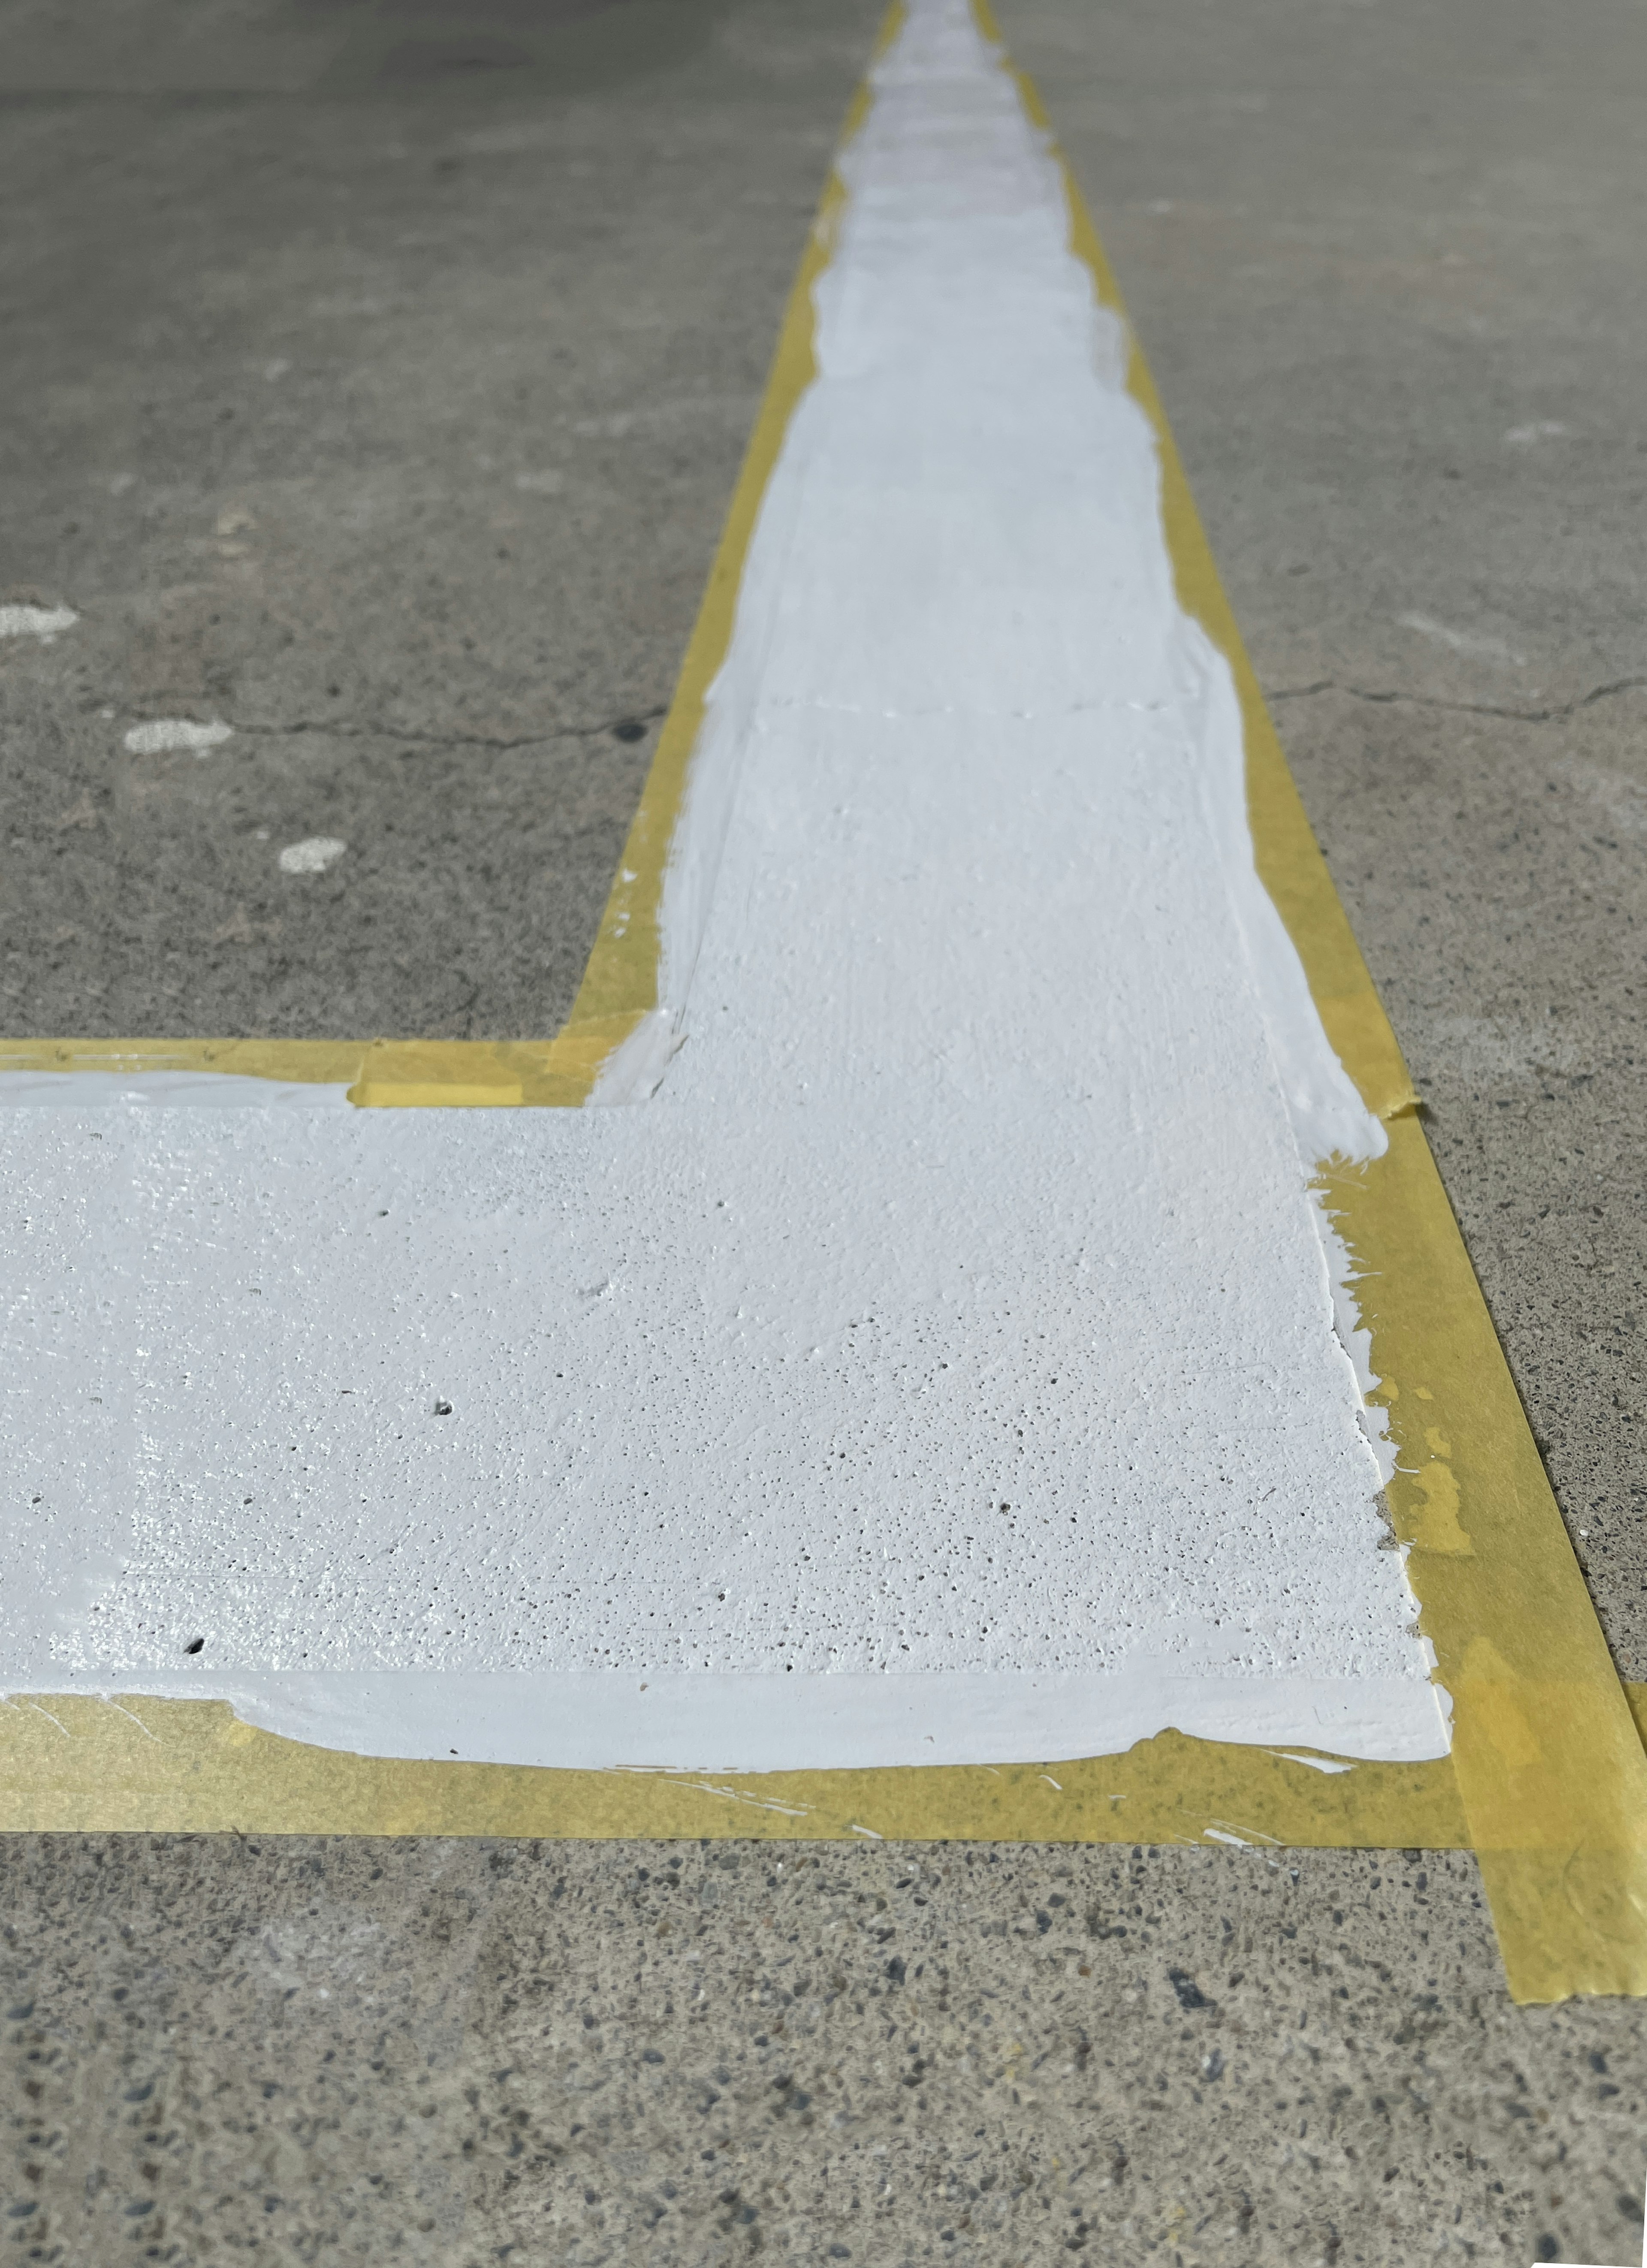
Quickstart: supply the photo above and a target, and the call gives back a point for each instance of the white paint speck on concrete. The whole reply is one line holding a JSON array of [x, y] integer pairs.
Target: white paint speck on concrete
[[313, 855], [42, 623], [540, 483], [940, 1365], [162, 734]]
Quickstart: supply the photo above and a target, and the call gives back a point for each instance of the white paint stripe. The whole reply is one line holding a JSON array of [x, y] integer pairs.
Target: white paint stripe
[[195, 1090], [956, 1311], [770, 1721]]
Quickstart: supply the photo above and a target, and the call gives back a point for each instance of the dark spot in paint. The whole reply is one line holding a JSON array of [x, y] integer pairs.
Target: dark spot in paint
[[442, 1410], [194, 1646], [628, 728]]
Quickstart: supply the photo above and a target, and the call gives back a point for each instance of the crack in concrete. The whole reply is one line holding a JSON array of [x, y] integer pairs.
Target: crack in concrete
[[1465, 708], [629, 726]]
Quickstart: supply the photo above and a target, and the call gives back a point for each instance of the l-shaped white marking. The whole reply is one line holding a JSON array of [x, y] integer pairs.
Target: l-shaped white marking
[[941, 1367]]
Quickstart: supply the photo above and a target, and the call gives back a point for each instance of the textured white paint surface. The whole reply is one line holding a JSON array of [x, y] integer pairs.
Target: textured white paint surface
[[941, 1365]]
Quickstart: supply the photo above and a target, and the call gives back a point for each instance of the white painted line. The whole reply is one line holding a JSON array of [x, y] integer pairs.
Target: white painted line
[[941, 1366], [194, 1090], [42, 623], [162, 734]]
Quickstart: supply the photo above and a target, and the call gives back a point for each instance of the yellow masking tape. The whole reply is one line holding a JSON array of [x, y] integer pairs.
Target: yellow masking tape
[[69, 1763]]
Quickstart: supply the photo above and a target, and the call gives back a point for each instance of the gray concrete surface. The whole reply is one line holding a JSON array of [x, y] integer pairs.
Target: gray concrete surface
[[453, 2054], [1386, 261], [376, 378]]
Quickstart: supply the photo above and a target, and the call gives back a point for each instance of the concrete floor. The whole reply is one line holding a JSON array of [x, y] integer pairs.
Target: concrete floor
[[1386, 261], [384, 406]]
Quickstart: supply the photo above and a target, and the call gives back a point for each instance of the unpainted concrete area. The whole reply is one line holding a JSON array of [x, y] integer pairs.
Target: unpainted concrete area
[[376, 379], [458, 2053]]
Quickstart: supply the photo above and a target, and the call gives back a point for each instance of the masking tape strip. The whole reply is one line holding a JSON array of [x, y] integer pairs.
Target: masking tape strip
[[1550, 1771], [74, 1765], [69, 1764], [1547, 1777]]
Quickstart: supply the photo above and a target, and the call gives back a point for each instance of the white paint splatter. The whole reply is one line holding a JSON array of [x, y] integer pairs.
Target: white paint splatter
[[313, 855], [1316, 1763], [41, 622], [162, 734], [1542, 429], [1479, 643]]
